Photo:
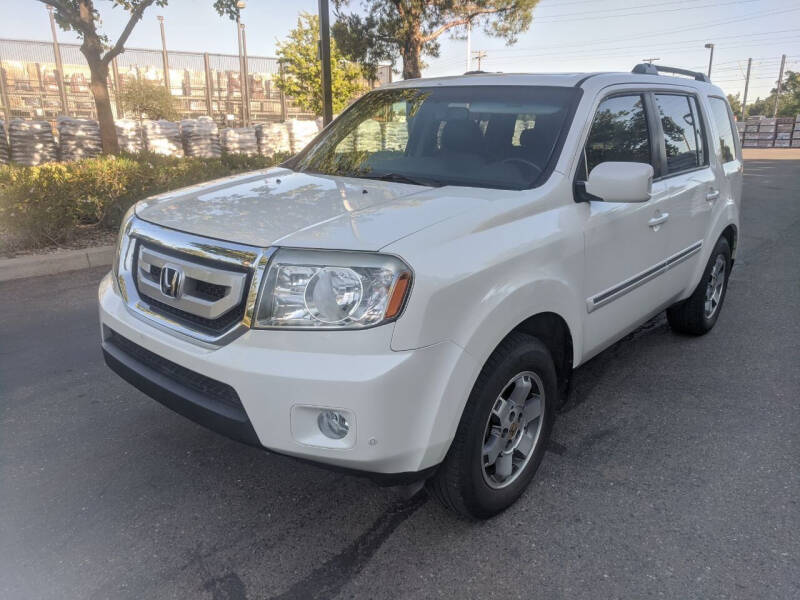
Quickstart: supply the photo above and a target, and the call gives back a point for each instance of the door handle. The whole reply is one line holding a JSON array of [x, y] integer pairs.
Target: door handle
[[712, 195], [656, 221]]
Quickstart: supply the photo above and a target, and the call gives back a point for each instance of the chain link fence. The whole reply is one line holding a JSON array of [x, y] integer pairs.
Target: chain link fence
[[201, 83]]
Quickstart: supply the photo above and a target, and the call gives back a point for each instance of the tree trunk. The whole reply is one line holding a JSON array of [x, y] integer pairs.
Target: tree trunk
[[102, 102], [412, 56]]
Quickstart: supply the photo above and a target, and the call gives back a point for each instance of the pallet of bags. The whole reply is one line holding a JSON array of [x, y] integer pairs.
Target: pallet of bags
[[162, 137], [200, 138], [3, 144], [129, 135], [395, 135], [300, 133], [78, 138], [273, 138], [241, 140], [369, 136], [32, 142]]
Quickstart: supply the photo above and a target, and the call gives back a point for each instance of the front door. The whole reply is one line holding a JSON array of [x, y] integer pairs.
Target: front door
[[625, 242]]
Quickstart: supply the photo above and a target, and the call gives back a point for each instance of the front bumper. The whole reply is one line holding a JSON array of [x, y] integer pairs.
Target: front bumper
[[403, 407]]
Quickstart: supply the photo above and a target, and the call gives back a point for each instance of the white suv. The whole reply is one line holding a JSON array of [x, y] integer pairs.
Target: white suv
[[408, 296]]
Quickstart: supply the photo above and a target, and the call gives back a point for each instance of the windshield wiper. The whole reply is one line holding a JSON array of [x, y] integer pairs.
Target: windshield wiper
[[400, 178]]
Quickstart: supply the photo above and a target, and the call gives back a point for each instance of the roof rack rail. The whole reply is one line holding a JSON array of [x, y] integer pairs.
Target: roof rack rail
[[651, 69], [476, 72]]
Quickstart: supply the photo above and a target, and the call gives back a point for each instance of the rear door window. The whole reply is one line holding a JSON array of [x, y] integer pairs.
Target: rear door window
[[619, 133], [683, 132], [724, 127]]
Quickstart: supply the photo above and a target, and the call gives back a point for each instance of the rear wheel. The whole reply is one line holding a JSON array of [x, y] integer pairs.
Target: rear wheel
[[697, 314], [503, 432]]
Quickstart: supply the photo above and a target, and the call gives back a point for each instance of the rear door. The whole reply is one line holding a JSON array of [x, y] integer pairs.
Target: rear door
[[687, 187], [625, 242], [725, 142]]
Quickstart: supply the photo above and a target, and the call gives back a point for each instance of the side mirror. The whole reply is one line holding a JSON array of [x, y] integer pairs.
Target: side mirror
[[621, 182]]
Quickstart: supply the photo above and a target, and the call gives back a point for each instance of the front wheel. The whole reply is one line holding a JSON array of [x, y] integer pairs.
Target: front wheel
[[503, 432], [697, 314]]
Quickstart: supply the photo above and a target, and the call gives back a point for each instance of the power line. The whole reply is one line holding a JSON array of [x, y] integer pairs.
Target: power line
[[633, 14]]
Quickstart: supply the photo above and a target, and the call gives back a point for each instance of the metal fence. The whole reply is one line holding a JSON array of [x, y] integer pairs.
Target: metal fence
[[200, 83]]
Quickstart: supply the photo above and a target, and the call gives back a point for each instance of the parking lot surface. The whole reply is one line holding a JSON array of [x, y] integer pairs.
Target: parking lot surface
[[674, 470]]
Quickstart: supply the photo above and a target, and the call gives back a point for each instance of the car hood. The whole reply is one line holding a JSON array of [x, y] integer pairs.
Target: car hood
[[287, 208]]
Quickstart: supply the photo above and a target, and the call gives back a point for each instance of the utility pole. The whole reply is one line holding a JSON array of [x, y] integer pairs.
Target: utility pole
[[651, 60], [710, 58], [746, 85], [246, 86], [479, 56], [242, 74], [325, 57], [469, 46], [780, 86], [59, 67], [164, 57]]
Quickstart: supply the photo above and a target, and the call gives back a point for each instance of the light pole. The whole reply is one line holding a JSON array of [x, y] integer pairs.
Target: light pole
[[325, 57], [59, 67], [242, 66], [710, 58], [164, 56], [469, 46]]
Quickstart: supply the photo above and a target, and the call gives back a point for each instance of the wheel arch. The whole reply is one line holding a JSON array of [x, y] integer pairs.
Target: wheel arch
[[731, 233]]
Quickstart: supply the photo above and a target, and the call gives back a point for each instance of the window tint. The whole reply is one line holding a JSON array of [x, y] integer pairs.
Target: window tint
[[683, 132], [722, 120], [619, 132]]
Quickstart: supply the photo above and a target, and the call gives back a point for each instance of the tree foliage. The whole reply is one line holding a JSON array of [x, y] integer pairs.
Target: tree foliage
[[83, 17], [142, 97], [303, 69], [382, 30], [735, 101], [788, 101]]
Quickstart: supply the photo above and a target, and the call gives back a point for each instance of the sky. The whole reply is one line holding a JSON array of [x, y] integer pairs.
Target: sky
[[566, 35]]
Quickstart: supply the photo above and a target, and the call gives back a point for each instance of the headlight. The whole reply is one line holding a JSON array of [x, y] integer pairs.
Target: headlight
[[314, 289]]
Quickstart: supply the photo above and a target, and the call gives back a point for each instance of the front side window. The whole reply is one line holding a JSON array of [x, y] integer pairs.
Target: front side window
[[683, 132], [619, 133], [481, 136], [724, 125]]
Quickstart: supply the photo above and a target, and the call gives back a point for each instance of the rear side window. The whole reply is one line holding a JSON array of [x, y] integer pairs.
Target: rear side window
[[619, 133], [724, 126], [683, 132]]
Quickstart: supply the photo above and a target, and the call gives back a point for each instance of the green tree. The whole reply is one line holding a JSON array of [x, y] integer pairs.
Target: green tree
[[83, 17], [788, 101], [386, 29], [735, 101], [145, 97], [303, 69]]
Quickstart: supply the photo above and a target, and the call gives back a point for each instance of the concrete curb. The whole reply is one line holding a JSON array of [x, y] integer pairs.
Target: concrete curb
[[55, 262]]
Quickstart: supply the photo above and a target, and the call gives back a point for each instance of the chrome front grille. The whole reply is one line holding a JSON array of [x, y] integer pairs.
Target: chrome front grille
[[200, 289]]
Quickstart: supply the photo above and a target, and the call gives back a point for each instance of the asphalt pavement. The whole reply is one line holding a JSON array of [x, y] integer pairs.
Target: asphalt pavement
[[674, 470]]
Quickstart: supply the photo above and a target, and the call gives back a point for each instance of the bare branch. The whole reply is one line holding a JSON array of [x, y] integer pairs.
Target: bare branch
[[119, 47], [462, 21]]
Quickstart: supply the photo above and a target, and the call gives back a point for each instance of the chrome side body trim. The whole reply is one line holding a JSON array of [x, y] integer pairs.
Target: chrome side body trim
[[630, 284], [237, 256]]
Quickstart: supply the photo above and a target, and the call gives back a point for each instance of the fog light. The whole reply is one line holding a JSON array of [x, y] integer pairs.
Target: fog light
[[333, 424]]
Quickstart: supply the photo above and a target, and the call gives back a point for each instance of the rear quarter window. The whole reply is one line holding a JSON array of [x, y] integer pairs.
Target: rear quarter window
[[723, 125]]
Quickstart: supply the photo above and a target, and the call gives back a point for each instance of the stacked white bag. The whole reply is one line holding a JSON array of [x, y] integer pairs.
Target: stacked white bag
[[239, 141], [163, 137], [368, 136], [3, 144], [129, 135], [32, 142], [79, 138], [300, 133], [200, 138], [273, 138], [395, 135]]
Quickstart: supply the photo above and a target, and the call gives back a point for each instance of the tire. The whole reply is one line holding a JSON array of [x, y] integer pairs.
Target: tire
[[465, 482], [699, 312]]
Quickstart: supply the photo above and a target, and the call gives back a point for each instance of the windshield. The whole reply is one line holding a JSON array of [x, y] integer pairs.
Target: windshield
[[481, 136]]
